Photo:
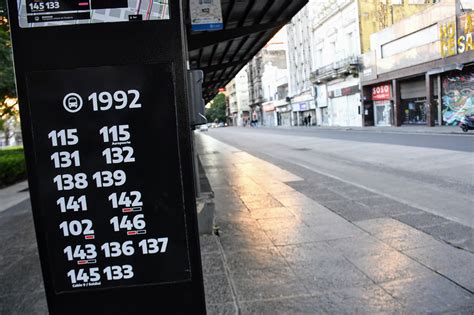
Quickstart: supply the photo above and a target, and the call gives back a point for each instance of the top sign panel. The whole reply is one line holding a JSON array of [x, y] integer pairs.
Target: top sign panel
[[206, 15], [40, 13]]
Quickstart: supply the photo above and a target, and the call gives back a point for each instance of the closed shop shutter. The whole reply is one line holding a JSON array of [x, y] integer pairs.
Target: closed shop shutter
[[413, 89], [286, 119], [269, 119]]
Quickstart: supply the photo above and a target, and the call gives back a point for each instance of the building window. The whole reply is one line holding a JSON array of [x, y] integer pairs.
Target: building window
[[332, 51], [350, 44], [319, 57]]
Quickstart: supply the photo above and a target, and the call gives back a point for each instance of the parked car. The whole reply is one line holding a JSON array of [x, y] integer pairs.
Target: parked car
[[204, 127]]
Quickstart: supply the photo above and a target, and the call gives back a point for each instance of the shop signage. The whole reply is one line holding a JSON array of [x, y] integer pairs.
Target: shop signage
[[465, 32], [299, 107], [456, 35], [381, 92], [283, 109], [344, 91], [268, 108]]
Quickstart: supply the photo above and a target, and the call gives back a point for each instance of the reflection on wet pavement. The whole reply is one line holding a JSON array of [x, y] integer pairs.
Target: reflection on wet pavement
[[279, 251]]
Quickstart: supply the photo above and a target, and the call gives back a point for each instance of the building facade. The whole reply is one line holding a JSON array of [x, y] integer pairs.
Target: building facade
[[265, 73], [301, 103], [255, 88], [376, 15], [237, 93], [275, 79], [325, 42], [420, 71], [337, 37], [231, 103], [242, 116]]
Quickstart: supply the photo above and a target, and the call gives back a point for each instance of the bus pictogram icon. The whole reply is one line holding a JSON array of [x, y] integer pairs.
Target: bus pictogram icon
[[72, 102]]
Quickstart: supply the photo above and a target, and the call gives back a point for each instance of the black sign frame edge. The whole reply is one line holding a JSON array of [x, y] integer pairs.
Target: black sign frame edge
[[172, 67], [184, 135]]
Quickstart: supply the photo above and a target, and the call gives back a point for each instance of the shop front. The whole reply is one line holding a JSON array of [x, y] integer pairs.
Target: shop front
[[303, 114], [458, 95], [458, 86], [413, 101], [429, 64], [382, 104], [344, 104], [414, 111], [234, 119], [269, 114], [283, 115], [324, 114], [245, 116]]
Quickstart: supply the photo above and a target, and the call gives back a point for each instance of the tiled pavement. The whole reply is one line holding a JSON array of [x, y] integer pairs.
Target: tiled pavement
[[279, 251]]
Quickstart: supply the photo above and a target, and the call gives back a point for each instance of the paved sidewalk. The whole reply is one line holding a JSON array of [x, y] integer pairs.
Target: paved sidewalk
[[13, 195], [279, 251], [389, 129]]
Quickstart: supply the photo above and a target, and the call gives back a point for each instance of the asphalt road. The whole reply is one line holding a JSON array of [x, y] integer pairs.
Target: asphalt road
[[432, 172], [456, 142]]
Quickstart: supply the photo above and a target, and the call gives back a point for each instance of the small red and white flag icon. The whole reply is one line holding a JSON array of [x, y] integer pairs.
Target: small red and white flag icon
[[134, 209], [139, 232], [86, 262], [89, 237]]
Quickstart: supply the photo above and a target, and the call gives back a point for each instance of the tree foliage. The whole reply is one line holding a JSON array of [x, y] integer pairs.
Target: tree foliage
[[3, 8], [217, 111], [7, 81], [8, 101]]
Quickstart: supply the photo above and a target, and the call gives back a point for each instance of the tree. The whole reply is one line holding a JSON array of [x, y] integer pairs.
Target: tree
[[217, 111], [8, 100]]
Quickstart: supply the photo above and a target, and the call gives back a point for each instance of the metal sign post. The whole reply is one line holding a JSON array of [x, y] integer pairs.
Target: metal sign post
[[102, 97]]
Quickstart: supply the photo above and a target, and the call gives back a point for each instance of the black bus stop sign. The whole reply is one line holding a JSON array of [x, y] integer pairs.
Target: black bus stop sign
[[114, 213], [108, 151]]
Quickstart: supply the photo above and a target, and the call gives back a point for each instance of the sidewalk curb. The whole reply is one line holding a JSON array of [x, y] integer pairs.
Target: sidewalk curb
[[400, 131], [205, 211], [392, 130]]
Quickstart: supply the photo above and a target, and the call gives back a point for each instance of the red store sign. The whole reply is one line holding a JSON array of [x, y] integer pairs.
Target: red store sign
[[268, 108], [381, 92]]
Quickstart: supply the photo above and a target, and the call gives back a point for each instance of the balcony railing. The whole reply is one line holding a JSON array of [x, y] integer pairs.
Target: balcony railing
[[341, 68]]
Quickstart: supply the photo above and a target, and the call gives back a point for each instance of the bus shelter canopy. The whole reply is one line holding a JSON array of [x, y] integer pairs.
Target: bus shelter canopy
[[248, 26]]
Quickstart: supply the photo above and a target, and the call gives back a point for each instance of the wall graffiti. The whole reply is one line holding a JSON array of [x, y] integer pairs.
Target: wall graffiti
[[458, 97]]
